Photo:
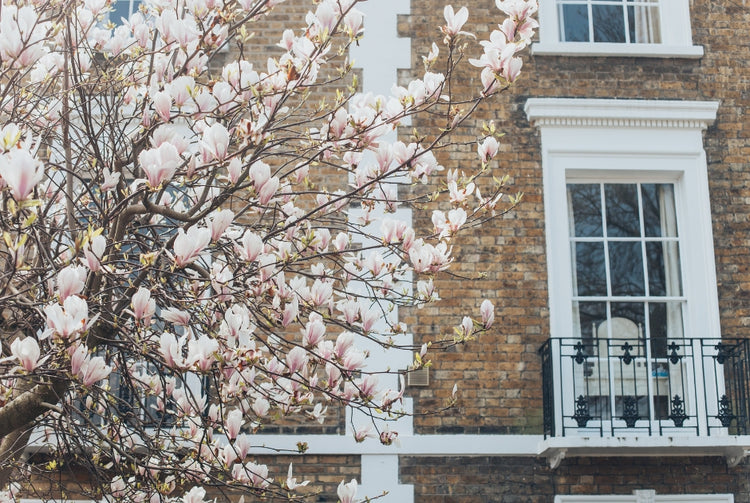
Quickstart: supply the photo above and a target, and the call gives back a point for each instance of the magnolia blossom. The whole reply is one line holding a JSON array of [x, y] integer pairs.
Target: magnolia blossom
[[143, 305], [347, 492], [27, 352], [93, 370], [21, 171], [488, 313], [70, 281], [188, 246], [454, 20]]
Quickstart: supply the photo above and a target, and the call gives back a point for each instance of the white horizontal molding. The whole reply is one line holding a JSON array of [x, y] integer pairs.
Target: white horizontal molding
[[593, 49], [417, 445], [647, 496], [545, 112], [732, 447]]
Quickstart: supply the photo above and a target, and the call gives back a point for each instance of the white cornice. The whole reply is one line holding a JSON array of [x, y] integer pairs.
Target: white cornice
[[567, 112]]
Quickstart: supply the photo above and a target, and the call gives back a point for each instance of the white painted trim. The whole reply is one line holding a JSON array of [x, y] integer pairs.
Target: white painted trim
[[590, 49], [677, 38], [615, 141], [647, 496], [544, 112]]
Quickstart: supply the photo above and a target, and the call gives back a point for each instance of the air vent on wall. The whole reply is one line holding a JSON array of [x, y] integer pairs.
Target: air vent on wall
[[420, 377]]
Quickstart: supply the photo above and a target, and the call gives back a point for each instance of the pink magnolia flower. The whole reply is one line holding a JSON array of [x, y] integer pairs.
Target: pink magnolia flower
[[27, 352], [21, 172], [159, 164], [93, 370], [68, 319], [171, 350], [347, 492], [296, 359], [201, 352], [188, 246], [143, 305], [215, 143], [94, 252], [488, 313], [163, 105], [454, 20], [261, 407], [176, 316], [291, 482], [488, 149], [195, 495], [219, 222], [314, 331], [233, 423], [70, 281], [252, 246]]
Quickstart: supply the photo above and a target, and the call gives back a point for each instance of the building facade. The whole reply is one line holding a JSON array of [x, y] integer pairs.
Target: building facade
[[618, 366]]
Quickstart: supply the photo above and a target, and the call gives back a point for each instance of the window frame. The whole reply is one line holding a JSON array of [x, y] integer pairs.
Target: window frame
[[616, 141], [676, 36]]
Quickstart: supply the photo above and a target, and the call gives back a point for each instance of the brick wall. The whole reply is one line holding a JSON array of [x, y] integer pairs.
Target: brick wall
[[499, 375], [525, 480]]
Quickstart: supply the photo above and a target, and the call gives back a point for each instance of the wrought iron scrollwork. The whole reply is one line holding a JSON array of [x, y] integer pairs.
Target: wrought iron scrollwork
[[582, 415], [626, 357], [581, 355], [725, 415], [630, 411], [674, 358], [677, 412], [723, 351]]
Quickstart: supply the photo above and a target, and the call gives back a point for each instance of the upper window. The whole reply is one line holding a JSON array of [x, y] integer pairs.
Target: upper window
[[649, 28], [617, 21]]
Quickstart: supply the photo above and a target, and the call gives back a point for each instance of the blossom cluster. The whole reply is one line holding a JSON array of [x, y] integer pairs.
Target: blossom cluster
[[180, 262]]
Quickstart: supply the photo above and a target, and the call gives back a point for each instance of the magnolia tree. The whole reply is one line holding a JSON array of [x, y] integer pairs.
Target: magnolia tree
[[175, 273]]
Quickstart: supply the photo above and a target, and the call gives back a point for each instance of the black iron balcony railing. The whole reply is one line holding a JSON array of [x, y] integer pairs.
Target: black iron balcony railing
[[620, 387]]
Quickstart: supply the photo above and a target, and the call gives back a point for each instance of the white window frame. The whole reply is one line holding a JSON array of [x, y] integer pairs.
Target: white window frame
[[676, 36], [627, 141], [648, 496]]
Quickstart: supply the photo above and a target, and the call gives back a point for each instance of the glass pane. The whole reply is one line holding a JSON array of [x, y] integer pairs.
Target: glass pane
[[643, 22], [622, 210], [585, 203], [631, 23], [589, 316], [663, 269], [574, 21], [626, 268], [665, 324], [627, 327], [590, 277], [121, 10], [658, 210], [609, 23]]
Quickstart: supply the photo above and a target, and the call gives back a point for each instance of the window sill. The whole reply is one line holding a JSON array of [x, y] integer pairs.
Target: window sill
[[733, 448], [584, 49]]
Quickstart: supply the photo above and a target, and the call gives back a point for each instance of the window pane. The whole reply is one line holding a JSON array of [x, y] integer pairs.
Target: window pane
[[658, 210], [609, 23], [588, 316], [643, 22], [663, 269], [574, 21], [585, 203], [627, 326], [626, 268], [120, 11], [622, 210], [665, 325], [591, 278]]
